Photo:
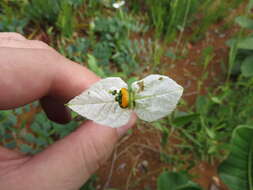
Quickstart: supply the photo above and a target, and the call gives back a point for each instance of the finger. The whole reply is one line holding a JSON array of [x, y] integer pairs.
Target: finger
[[35, 74], [73, 80], [23, 44], [26, 76], [55, 110], [10, 160], [12, 35], [6, 154], [69, 162]]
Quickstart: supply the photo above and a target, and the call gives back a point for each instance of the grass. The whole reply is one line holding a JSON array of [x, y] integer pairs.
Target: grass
[[215, 12], [168, 17], [131, 42]]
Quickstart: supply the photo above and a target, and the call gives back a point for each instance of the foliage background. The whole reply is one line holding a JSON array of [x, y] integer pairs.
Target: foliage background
[[140, 38]]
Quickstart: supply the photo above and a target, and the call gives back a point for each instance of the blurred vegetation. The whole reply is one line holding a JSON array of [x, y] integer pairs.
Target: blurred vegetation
[[130, 42]]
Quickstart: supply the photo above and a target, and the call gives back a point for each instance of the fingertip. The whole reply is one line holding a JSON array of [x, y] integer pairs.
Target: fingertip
[[12, 35], [71, 80], [55, 110]]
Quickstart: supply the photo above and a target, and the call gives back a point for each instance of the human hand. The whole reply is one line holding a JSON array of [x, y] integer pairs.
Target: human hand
[[29, 71]]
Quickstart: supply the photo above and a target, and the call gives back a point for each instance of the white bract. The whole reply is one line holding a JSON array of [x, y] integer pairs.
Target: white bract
[[110, 102], [118, 4]]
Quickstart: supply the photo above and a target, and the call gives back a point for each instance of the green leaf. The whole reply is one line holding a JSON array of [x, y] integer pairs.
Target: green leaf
[[165, 132], [250, 5], [216, 100], [171, 54], [29, 137], [12, 119], [166, 158], [244, 22], [25, 148], [90, 184], [246, 43], [65, 20], [27, 108], [11, 145], [183, 120], [210, 133], [102, 52], [131, 80], [247, 67], [175, 181], [202, 105], [19, 110], [92, 63], [237, 170]]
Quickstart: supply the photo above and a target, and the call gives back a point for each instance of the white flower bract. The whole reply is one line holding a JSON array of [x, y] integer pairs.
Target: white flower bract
[[118, 4], [154, 97]]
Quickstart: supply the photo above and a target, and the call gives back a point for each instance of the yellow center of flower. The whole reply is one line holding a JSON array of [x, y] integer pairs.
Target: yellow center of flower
[[124, 98]]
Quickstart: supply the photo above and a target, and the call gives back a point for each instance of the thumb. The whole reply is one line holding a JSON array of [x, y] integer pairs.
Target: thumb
[[68, 163]]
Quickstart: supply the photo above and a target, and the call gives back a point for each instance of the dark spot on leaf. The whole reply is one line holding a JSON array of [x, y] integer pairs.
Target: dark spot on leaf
[[114, 92], [141, 86]]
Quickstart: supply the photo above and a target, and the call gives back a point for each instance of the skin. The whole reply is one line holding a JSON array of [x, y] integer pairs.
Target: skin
[[31, 70]]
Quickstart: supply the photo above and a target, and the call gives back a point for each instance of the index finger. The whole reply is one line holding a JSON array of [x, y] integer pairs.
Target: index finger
[[27, 75], [72, 81]]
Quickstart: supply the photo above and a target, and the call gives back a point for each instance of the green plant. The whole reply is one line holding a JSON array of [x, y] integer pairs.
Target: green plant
[[206, 131], [176, 181], [66, 21], [213, 11], [35, 138], [112, 43], [90, 184], [93, 8], [93, 66], [76, 49], [7, 120], [44, 132], [244, 50], [58, 14], [43, 11], [11, 19], [169, 16], [220, 112], [108, 42], [11, 126], [237, 170], [206, 57]]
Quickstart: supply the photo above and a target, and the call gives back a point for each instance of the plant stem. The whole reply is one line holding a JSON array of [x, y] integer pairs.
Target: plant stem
[[250, 177], [184, 24]]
